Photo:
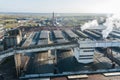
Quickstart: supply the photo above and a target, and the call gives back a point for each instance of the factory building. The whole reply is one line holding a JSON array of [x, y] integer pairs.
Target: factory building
[[52, 52], [12, 38]]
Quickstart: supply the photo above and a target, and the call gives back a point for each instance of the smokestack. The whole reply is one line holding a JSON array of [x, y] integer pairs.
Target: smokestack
[[53, 19], [53, 15]]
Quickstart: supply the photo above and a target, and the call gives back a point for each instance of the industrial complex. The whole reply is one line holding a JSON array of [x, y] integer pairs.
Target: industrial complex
[[59, 53]]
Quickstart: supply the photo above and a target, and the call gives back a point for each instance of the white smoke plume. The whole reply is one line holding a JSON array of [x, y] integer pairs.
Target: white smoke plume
[[111, 22], [89, 24]]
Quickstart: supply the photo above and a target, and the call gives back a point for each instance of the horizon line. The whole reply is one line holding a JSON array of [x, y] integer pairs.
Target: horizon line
[[58, 12]]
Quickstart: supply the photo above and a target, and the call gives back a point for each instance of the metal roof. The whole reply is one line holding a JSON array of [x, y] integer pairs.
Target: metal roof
[[58, 34], [71, 34], [44, 34]]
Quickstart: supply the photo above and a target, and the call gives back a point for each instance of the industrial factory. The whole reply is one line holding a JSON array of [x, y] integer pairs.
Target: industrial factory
[[61, 52], [53, 53]]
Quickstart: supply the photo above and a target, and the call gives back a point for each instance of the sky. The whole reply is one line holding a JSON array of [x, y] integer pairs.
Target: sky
[[60, 6]]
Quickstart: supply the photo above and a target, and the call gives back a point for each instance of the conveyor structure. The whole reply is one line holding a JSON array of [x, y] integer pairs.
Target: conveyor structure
[[81, 48]]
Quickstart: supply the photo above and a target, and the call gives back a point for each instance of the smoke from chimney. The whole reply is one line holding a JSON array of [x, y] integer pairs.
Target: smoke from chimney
[[111, 22], [89, 25]]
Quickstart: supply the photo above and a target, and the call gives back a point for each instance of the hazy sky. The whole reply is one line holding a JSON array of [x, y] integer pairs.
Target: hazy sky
[[60, 6]]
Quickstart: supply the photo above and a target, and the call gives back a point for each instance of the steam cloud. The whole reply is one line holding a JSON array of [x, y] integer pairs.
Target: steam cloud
[[111, 22], [89, 25]]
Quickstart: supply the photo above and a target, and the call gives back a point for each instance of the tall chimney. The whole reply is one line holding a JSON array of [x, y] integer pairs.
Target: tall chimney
[[53, 19]]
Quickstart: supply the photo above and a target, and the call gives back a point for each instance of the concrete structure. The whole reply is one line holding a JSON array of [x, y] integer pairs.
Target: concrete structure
[[84, 55], [12, 38]]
